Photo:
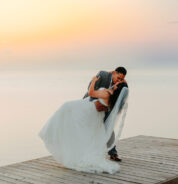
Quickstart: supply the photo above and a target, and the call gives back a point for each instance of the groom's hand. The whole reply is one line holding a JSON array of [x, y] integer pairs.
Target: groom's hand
[[100, 107]]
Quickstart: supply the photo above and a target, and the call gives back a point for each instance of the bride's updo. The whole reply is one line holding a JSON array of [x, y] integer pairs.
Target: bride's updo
[[113, 98]]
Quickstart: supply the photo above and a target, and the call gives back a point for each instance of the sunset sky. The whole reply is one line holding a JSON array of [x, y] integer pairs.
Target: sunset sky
[[51, 49], [43, 33]]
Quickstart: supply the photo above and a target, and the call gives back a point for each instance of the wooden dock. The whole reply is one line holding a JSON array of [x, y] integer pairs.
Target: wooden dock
[[145, 160]]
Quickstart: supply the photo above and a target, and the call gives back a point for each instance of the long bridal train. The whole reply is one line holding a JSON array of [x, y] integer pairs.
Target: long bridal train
[[76, 136]]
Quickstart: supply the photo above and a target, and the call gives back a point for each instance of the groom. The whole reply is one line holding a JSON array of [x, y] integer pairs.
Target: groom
[[107, 80]]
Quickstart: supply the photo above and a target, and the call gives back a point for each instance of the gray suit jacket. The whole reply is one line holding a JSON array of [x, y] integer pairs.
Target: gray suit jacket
[[104, 81]]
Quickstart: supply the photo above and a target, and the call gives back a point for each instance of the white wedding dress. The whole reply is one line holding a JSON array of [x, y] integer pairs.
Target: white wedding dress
[[76, 135]]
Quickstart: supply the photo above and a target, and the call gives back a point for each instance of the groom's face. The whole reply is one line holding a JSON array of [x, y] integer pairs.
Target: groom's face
[[117, 77]]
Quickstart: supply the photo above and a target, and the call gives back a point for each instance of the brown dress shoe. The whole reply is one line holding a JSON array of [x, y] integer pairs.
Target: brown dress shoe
[[115, 158]]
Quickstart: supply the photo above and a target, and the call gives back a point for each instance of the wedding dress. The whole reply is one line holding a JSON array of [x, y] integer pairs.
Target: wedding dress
[[76, 135]]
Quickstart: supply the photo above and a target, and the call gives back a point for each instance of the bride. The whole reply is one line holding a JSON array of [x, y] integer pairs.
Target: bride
[[76, 136]]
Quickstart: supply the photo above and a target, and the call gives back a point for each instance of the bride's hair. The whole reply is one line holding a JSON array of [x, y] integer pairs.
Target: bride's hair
[[115, 95]]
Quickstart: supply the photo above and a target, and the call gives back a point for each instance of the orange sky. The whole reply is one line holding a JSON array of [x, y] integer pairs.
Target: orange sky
[[43, 25]]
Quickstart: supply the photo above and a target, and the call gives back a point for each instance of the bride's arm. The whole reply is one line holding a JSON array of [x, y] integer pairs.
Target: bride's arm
[[97, 93]]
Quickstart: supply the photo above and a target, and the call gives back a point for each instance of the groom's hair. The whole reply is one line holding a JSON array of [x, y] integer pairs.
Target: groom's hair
[[121, 70], [115, 95]]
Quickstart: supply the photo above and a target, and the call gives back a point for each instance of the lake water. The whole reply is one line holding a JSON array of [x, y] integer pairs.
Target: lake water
[[29, 98]]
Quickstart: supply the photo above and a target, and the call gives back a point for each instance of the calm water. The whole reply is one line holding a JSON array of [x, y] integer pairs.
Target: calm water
[[28, 99]]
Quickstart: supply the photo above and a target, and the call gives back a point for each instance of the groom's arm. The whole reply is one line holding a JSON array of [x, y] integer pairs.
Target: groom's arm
[[100, 75], [98, 82], [98, 105]]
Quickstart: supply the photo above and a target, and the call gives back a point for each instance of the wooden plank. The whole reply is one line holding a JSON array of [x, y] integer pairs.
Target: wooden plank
[[58, 176], [76, 173], [121, 175], [173, 180], [145, 160], [172, 159], [11, 180], [122, 165], [146, 164], [24, 177], [4, 182], [126, 169], [141, 173]]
